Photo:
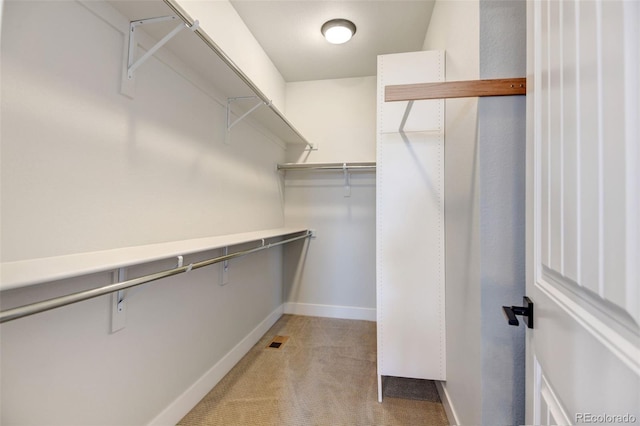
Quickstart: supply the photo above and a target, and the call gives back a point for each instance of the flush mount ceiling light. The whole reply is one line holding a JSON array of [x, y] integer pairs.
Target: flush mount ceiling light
[[338, 31]]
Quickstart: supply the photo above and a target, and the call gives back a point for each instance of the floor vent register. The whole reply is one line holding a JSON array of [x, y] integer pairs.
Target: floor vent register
[[277, 342]]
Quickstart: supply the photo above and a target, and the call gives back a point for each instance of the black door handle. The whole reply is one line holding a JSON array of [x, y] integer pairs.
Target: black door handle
[[525, 311]]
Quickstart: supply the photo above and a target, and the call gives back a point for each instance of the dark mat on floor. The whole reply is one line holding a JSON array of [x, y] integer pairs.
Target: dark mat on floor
[[416, 389]]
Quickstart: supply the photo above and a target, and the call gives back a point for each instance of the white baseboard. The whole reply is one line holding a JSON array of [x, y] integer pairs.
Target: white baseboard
[[330, 311], [447, 403], [189, 398]]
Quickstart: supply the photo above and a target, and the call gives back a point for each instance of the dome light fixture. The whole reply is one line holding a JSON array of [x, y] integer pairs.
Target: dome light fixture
[[338, 31]]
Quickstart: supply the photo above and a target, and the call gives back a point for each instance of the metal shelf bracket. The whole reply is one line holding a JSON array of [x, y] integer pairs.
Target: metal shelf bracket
[[230, 124], [133, 64], [224, 271], [118, 303], [347, 180]]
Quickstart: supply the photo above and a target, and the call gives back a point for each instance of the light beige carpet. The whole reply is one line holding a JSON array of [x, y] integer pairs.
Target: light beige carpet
[[325, 374]]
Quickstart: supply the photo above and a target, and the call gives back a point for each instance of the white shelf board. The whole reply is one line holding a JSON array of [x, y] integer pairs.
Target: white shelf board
[[194, 52], [35, 271]]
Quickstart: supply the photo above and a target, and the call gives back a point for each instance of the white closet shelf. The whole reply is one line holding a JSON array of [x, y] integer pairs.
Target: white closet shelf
[[35, 271], [200, 52]]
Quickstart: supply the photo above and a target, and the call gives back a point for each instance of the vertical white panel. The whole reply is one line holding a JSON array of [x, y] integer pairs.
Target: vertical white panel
[[613, 153], [584, 142], [631, 17], [589, 170], [410, 224], [570, 191], [555, 137], [544, 133]]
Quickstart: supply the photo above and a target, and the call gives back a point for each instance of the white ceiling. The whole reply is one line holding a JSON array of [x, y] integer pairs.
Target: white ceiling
[[289, 32]]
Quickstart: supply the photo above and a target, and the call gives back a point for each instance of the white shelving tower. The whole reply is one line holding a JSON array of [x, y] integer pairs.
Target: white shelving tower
[[410, 223]]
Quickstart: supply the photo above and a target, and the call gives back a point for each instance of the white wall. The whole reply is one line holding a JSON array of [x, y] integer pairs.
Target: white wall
[[484, 204], [454, 27], [85, 168], [338, 115], [337, 275]]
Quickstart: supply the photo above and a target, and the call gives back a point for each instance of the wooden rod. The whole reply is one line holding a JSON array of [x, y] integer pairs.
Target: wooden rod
[[456, 89]]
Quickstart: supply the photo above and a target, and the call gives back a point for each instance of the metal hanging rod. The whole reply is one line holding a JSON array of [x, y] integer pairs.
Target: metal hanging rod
[[362, 166], [227, 60], [57, 302]]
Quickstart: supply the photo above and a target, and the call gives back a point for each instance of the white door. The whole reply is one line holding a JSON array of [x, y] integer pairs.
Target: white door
[[583, 206]]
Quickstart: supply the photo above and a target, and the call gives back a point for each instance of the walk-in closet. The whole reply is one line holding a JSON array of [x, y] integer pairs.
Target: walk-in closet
[[212, 215], [168, 195]]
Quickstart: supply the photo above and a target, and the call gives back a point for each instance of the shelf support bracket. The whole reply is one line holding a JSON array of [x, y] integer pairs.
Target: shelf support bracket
[[129, 62], [230, 124], [133, 65], [347, 180], [118, 304], [224, 270]]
